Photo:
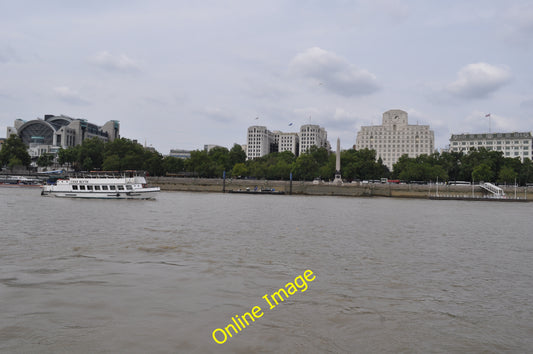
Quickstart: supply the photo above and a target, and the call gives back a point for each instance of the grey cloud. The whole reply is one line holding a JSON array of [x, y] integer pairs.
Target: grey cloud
[[527, 104], [216, 115], [111, 62], [334, 73], [70, 96], [479, 80], [8, 54]]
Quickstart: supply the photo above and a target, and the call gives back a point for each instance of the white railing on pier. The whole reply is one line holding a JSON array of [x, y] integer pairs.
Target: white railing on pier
[[497, 191]]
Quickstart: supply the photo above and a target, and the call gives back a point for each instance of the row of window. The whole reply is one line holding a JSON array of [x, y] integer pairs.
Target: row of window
[[394, 141], [507, 142], [497, 148], [407, 132], [101, 188], [498, 135]]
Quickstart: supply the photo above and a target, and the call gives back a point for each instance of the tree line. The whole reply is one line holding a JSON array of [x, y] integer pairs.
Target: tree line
[[478, 165], [124, 154]]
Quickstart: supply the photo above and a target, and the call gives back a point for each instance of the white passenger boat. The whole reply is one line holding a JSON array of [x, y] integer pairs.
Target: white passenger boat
[[101, 187]]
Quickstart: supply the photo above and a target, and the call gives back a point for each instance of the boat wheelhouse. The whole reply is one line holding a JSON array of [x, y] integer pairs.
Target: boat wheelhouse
[[101, 186]]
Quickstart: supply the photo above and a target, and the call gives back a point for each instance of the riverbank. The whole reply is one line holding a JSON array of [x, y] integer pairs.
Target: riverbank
[[345, 189]]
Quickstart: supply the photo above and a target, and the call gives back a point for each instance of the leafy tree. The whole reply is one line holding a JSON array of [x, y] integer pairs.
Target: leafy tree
[[200, 164], [451, 162], [321, 155], [14, 162], [14, 150], [236, 155], [173, 164], [132, 161], [45, 160], [153, 163], [88, 164], [507, 175], [68, 156], [306, 167], [220, 161], [111, 163], [526, 172], [482, 172], [91, 154], [239, 170]]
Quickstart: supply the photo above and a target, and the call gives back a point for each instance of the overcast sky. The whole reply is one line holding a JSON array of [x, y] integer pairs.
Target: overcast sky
[[181, 74]]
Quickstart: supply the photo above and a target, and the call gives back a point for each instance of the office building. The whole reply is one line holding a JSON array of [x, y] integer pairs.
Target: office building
[[260, 141], [516, 144], [182, 154], [50, 134], [312, 134], [395, 137]]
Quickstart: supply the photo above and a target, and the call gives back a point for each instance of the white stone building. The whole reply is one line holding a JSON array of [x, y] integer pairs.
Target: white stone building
[[50, 134], [289, 142], [258, 141], [312, 134], [395, 137], [516, 144]]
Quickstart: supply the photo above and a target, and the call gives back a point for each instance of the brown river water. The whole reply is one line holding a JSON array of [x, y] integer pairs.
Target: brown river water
[[390, 275]]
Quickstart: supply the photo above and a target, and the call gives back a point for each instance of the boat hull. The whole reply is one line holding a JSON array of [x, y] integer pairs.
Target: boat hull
[[101, 187], [145, 193]]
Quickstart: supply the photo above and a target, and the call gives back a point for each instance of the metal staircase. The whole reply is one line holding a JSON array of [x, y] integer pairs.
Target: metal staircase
[[495, 190]]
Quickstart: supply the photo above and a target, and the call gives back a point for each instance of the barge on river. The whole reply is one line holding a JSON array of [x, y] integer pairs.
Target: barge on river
[[101, 187]]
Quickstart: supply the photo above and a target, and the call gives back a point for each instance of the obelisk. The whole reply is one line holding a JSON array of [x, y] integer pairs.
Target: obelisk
[[338, 178]]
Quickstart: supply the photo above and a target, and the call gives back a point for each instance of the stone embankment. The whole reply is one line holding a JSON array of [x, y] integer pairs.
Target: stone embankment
[[346, 189]]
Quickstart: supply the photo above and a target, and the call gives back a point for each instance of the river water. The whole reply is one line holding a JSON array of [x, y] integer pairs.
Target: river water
[[391, 275]]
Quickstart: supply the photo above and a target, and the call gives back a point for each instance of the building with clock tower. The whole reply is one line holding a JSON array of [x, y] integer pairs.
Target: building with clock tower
[[395, 137]]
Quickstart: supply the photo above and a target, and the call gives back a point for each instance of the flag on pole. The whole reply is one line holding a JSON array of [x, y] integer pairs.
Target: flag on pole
[[487, 115]]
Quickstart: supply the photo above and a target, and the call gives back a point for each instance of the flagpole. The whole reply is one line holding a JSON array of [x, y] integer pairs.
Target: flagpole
[[488, 116]]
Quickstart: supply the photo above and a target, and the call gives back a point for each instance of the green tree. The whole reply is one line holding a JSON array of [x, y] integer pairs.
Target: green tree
[[507, 175], [111, 163], [219, 158], [14, 150], [173, 164], [45, 160], [200, 164], [132, 161], [153, 163], [14, 162], [482, 173], [526, 172], [88, 164], [305, 168], [236, 155], [239, 170], [91, 154], [68, 156]]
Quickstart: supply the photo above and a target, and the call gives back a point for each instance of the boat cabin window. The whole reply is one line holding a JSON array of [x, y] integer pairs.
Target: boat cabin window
[[120, 188], [96, 188], [90, 188], [74, 188], [128, 187], [105, 188], [111, 188], [82, 188]]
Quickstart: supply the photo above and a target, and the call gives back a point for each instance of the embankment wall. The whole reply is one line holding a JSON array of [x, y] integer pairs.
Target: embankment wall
[[346, 189]]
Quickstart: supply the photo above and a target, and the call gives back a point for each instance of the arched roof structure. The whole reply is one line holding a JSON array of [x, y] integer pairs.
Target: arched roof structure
[[37, 131]]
